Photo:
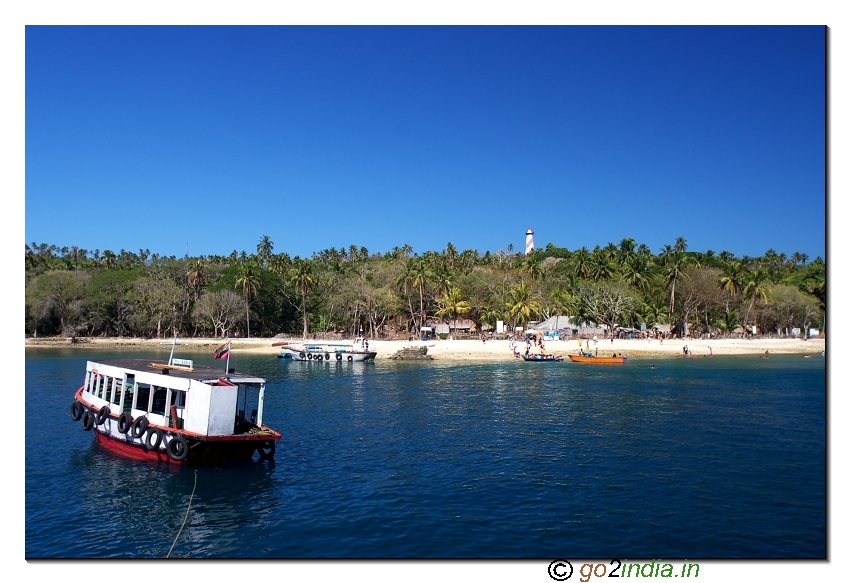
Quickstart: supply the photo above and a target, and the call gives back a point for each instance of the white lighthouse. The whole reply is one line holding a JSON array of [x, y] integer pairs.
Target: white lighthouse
[[529, 241]]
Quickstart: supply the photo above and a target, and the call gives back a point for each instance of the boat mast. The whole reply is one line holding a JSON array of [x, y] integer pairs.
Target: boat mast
[[173, 344]]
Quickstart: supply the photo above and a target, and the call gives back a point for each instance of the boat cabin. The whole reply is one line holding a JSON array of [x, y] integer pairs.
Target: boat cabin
[[197, 399]]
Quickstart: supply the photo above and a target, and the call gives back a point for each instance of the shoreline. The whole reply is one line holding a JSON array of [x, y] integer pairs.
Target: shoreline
[[463, 350]]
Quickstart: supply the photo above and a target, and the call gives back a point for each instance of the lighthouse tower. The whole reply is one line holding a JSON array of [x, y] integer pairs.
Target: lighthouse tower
[[529, 241]]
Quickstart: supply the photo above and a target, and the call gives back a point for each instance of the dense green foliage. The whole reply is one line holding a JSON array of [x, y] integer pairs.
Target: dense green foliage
[[74, 292]]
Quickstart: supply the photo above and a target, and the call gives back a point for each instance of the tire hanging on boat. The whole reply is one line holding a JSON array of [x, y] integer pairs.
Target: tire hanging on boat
[[309, 356], [302, 355], [327, 356], [102, 415], [266, 449], [125, 422], [350, 358], [77, 411], [178, 448], [338, 356], [154, 438], [139, 427], [88, 420]]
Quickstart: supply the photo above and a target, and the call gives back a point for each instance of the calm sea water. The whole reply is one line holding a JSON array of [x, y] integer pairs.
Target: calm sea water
[[702, 458]]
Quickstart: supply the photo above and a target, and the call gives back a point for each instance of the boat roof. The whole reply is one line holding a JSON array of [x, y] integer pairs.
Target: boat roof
[[199, 372]]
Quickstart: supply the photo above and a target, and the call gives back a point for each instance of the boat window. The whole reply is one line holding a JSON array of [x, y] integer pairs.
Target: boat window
[[109, 381], [158, 401], [143, 393], [116, 393], [247, 405], [175, 409], [98, 386], [129, 389]]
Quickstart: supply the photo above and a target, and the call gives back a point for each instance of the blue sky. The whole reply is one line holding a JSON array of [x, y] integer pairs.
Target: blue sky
[[211, 137]]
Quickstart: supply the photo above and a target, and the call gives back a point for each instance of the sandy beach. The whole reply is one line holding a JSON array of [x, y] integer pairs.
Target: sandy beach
[[467, 350]]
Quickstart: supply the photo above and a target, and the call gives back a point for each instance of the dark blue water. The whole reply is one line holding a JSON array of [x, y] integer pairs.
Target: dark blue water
[[701, 458]]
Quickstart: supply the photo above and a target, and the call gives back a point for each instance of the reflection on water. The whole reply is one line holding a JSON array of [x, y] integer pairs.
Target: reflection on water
[[430, 459]]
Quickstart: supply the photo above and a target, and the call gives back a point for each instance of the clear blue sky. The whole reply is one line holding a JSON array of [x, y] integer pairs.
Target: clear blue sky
[[159, 137]]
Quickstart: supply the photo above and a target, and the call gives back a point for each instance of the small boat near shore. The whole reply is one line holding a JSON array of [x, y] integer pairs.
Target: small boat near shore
[[174, 411], [542, 358], [325, 352], [589, 358]]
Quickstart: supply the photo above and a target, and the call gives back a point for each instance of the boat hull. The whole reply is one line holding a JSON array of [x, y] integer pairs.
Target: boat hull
[[203, 450], [598, 359]]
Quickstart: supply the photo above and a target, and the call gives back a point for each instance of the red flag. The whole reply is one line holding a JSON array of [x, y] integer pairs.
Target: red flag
[[221, 351]]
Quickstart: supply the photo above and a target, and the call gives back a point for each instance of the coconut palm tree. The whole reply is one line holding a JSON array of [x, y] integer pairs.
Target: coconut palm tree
[[197, 277], [673, 261], [421, 276], [301, 276], [756, 289], [405, 283], [249, 283], [264, 250], [581, 263], [521, 305], [452, 305]]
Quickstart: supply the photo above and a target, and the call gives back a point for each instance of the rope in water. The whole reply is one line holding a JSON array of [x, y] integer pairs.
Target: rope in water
[[184, 518]]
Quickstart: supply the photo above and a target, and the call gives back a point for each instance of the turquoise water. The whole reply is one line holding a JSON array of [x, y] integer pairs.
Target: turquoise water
[[702, 458]]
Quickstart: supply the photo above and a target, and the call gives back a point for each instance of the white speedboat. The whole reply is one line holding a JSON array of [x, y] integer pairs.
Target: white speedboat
[[339, 352]]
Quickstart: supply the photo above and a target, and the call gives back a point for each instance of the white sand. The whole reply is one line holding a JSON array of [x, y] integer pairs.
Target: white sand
[[471, 349]]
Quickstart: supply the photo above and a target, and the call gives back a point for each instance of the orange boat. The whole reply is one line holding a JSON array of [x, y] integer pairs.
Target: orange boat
[[598, 359]]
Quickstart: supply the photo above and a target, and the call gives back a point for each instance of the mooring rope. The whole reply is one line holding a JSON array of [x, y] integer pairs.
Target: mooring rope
[[184, 518]]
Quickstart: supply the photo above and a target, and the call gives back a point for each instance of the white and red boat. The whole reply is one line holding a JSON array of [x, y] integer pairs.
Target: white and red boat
[[326, 352], [174, 411]]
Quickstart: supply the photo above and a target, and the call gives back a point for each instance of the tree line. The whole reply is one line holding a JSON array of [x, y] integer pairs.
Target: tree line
[[75, 292]]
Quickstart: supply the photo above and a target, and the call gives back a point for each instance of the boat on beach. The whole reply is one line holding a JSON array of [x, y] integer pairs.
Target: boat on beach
[[174, 411], [589, 358], [325, 352]]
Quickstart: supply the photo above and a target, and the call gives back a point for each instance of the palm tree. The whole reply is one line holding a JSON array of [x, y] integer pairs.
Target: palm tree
[[302, 277], [581, 263], [264, 250], [405, 282], [197, 277], [521, 305], [731, 277], [249, 282], [756, 289], [674, 260], [636, 272], [453, 305], [421, 275]]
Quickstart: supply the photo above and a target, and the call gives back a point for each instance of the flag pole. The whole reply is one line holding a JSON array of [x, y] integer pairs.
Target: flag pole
[[173, 344], [227, 366]]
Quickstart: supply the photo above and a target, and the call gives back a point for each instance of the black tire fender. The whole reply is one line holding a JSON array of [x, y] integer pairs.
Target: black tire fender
[[309, 356], [338, 356], [102, 415], [139, 427], [177, 448], [327, 356], [77, 410], [266, 449], [125, 422], [303, 355], [88, 420], [350, 358], [154, 438]]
